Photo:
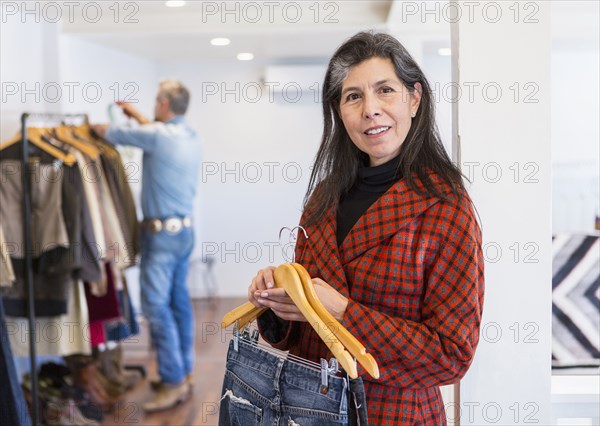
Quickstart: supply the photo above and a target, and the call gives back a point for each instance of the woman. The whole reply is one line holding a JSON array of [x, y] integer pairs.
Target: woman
[[393, 245]]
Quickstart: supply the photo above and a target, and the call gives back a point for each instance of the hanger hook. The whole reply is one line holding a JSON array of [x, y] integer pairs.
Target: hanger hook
[[302, 229], [281, 231], [285, 246], [291, 242]]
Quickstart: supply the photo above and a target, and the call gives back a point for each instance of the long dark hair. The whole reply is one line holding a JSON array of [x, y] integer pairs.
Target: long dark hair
[[336, 164]]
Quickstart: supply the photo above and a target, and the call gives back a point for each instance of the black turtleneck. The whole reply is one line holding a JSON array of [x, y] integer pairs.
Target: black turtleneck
[[371, 183]]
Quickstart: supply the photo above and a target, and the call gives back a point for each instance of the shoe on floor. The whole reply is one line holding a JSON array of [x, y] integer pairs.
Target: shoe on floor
[[156, 384], [167, 396]]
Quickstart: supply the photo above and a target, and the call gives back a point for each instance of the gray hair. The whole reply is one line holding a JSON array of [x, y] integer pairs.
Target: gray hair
[[177, 94], [336, 165], [366, 45]]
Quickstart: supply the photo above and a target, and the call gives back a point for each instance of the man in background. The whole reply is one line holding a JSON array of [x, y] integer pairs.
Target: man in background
[[171, 161]]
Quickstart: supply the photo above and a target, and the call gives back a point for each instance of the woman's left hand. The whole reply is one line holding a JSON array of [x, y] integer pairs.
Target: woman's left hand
[[283, 306]]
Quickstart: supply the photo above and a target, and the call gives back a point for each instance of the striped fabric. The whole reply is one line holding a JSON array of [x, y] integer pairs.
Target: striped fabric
[[575, 301]]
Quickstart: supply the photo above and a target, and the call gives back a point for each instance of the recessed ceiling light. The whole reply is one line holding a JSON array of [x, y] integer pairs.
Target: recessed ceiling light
[[245, 56], [220, 41], [445, 51], [175, 3]]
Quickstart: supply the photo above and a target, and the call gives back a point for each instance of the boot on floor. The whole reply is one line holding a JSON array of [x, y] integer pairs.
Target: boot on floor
[[167, 396], [115, 369]]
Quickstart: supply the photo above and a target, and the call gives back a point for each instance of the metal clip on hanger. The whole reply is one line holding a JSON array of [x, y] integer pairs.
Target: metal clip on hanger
[[325, 368], [345, 337], [287, 278], [356, 349]]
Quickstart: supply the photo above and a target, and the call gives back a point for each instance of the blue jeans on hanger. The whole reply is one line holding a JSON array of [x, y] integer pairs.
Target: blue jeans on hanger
[[260, 388], [166, 301], [13, 409]]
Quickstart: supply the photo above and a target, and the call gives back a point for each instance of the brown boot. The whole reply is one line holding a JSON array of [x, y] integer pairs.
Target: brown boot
[[84, 373], [113, 389], [189, 379], [118, 372], [107, 375], [167, 396]]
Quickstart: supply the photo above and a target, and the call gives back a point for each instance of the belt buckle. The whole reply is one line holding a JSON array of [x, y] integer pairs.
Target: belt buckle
[[156, 225], [172, 225]]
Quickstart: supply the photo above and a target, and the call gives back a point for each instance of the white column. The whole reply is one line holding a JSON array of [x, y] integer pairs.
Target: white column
[[503, 125]]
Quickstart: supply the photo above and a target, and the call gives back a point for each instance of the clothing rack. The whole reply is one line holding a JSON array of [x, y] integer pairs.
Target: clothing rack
[[27, 119]]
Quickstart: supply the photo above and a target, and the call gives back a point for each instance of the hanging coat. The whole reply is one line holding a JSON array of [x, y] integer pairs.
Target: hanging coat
[[412, 269]]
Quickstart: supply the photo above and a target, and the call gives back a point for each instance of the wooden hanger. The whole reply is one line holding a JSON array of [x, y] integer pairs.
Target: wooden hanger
[[9, 142], [33, 134], [246, 311], [84, 133], [287, 278], [345, 337], [248, 318], [64, 134], [35, 137]]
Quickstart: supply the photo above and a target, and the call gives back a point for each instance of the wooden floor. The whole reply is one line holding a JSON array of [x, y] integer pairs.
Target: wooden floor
[[211, 349]]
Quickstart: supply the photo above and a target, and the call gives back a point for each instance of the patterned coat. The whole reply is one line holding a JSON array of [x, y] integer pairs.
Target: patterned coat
[[412, 268]]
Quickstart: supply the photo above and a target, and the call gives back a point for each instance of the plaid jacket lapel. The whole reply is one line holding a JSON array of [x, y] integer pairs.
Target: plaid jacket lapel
[[322, 244], [390, 213]]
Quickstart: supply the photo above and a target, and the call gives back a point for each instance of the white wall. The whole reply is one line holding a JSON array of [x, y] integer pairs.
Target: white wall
[[23, 64], [104, 75], [437, 69], [575, 136], [50, 72], [256, 158], [509, 381]]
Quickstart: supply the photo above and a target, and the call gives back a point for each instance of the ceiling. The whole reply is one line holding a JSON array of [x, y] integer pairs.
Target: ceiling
[[272, 30], [285, 31]]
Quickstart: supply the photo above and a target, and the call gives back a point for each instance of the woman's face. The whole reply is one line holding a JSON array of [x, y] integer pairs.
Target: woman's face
[[377, 109]]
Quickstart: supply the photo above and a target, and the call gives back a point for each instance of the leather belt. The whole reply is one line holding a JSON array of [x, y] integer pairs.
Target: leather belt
[[171, 225]]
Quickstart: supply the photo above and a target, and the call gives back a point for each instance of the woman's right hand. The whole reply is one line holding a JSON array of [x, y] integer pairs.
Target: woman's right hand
[[262, 281]]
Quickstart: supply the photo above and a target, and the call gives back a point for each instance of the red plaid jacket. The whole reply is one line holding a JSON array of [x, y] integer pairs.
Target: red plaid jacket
[[412, 268]]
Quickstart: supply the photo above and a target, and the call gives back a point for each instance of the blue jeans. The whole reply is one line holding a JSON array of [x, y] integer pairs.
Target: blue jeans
[[13, 408], [166, 301], [263, 389]]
